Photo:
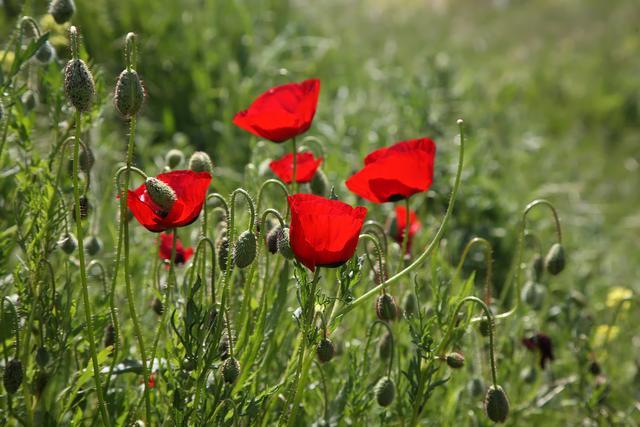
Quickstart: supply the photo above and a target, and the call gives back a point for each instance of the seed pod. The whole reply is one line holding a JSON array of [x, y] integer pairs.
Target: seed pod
[[78, 85], [325, 350], [284, 246], [12, 377], [200, 162], [230, 370], [84, 208], [29, 100], [455, 360], [319, 183], [45, 53], [475, 387], [42, 356], [537, 268], [555, 259], [109, 335], [385, 391], [386, 308], [129, 93], [484, 327], [496, 404], [93, 245], [384, 346], [161, 194], [244, 251], [223, 253], [62, 10], [174, 158], [410, 304], [68, 243], [272, 239]]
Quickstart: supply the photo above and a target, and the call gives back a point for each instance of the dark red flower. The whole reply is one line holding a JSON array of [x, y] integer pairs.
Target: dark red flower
[[306, 166], [190, 189], [323, 232], [543, 344], [182, 254], [398, 225], [281, 112], [394, 173]]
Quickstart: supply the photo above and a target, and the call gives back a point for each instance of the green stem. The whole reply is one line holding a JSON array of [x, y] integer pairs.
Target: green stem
[[407, 226], [488, 260], [294, 181]]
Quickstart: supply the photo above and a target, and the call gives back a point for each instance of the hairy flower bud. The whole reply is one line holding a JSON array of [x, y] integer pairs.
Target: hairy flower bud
[[157, 306], [42, 356], [129, 93], [537, 268], [93, 245], [244, 251], [85, 206], [484, 327], [455, 360], [284, 245], [68, 243], [230, 370], [201, 162], [410, 304], [319, 183], [29, 100], [533, 294], [86, 160], [385, 346], [13, 375], [386, 308], [161, 194], [223, 252], [496, 404], [475, 387], [555, 260], [62, 10], [109, 335], [325, 350], [78, 85], [529, 375], [174, 158], [272, 239], [45, 53], [385, 391]]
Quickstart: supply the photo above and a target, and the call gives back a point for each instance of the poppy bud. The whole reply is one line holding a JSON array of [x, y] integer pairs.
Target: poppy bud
[[475, 387], [78, 85], [161, 194], [554, 261], [533, 294], [379, 273], [529, 375], [230, 370], [109, 335], [272, 239], [223, 345], [384, 346], [385, 391], [157, 306], [484, 327], [188, 364], [319, 183], [223, 252], [45, 53], [284, 245], [325, 350], [174, 158], [12, 377], [42, 356], [86, 160], [386, 308], [93, 245], [68, 243], [40, 382], [62, 10], [496, 404], [245, 249], [455, 360], [201, 162], [29, 100], [594, 368], [129, 93], [84, 204], [410, 304], [537, 268]]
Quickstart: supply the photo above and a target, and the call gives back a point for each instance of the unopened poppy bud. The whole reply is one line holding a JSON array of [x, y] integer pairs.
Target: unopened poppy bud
[[379, 273], [325, 350], [554, 261], [174, 158], [201, 162], [93, 245], [223, 252], [529, 375], [78, 85], [410, 304], [272, 239], [42, 356], [386, 308], [109, 335], [385, 391], [230, 370], [157, 306], [533, 294], [223, 345], [29, 100], [161, 194], [537, 268], [68, 243], [284, 245], [484, 327], [12, 377], [475, 387], [40, 382], [496, 404], [319, 183], [85, 206], [45, 53], [86, 160], [594, 368], [62, 10], [384, 346], [188, 364], [129, 93], [455, 360], [244, 251]]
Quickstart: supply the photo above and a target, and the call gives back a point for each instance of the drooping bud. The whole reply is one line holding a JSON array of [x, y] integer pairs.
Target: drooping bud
[[537, 268], [319, 183], [201, 162], [129, 93], [386, 308], [455, 360], [244, 251], [284, 245], [45, 53], [85, 206], [93, 245], [174, 158], [529, 375], [325, 350], [594, 368], [12, 377], [157, 306], [78, 85], [42, 356], [230, 370], [223, 252], [496, 404], [379, 273], [475, 387], [161, 194], [39, 383], [109, 335], [86, 159], [384, 346], [555, 260], [385, 391], [68, 243], [484, 327], [533, 294], [29, 100], [410, 304], [272, 239], [62, 10]]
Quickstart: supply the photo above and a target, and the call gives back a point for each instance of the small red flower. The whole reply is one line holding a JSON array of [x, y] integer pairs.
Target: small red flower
[[543, 344], [306, 166], [182, 254], [394, 173], [323, 232], [281, 112], [190, 189], [398, 225]]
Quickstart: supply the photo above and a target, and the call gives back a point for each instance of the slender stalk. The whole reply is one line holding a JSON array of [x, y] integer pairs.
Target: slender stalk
[[488, 260], [294, 181], [407, 227]]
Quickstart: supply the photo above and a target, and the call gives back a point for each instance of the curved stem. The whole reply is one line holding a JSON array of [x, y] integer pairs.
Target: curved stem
[[381, 264], [252, 207], [488, 262], [278, 184], [314, 141], [381, 233], [366, 347]]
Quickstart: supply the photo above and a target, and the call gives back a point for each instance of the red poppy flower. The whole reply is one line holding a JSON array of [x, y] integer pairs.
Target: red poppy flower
[[190, 189], [394, 173], [306, 166], [182, 254], [543, 344], [323, 232], [281, 112], [398, 225]]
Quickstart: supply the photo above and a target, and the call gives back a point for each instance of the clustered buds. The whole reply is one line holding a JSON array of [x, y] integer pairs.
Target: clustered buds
[[325, 350], [13, 375], [78, 85], [129, 93], [244, 251], [555, 260], [385, 391], [386, 307], [62, 10], [230, 370], [161, 194], [496, 404], [201, 162]]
